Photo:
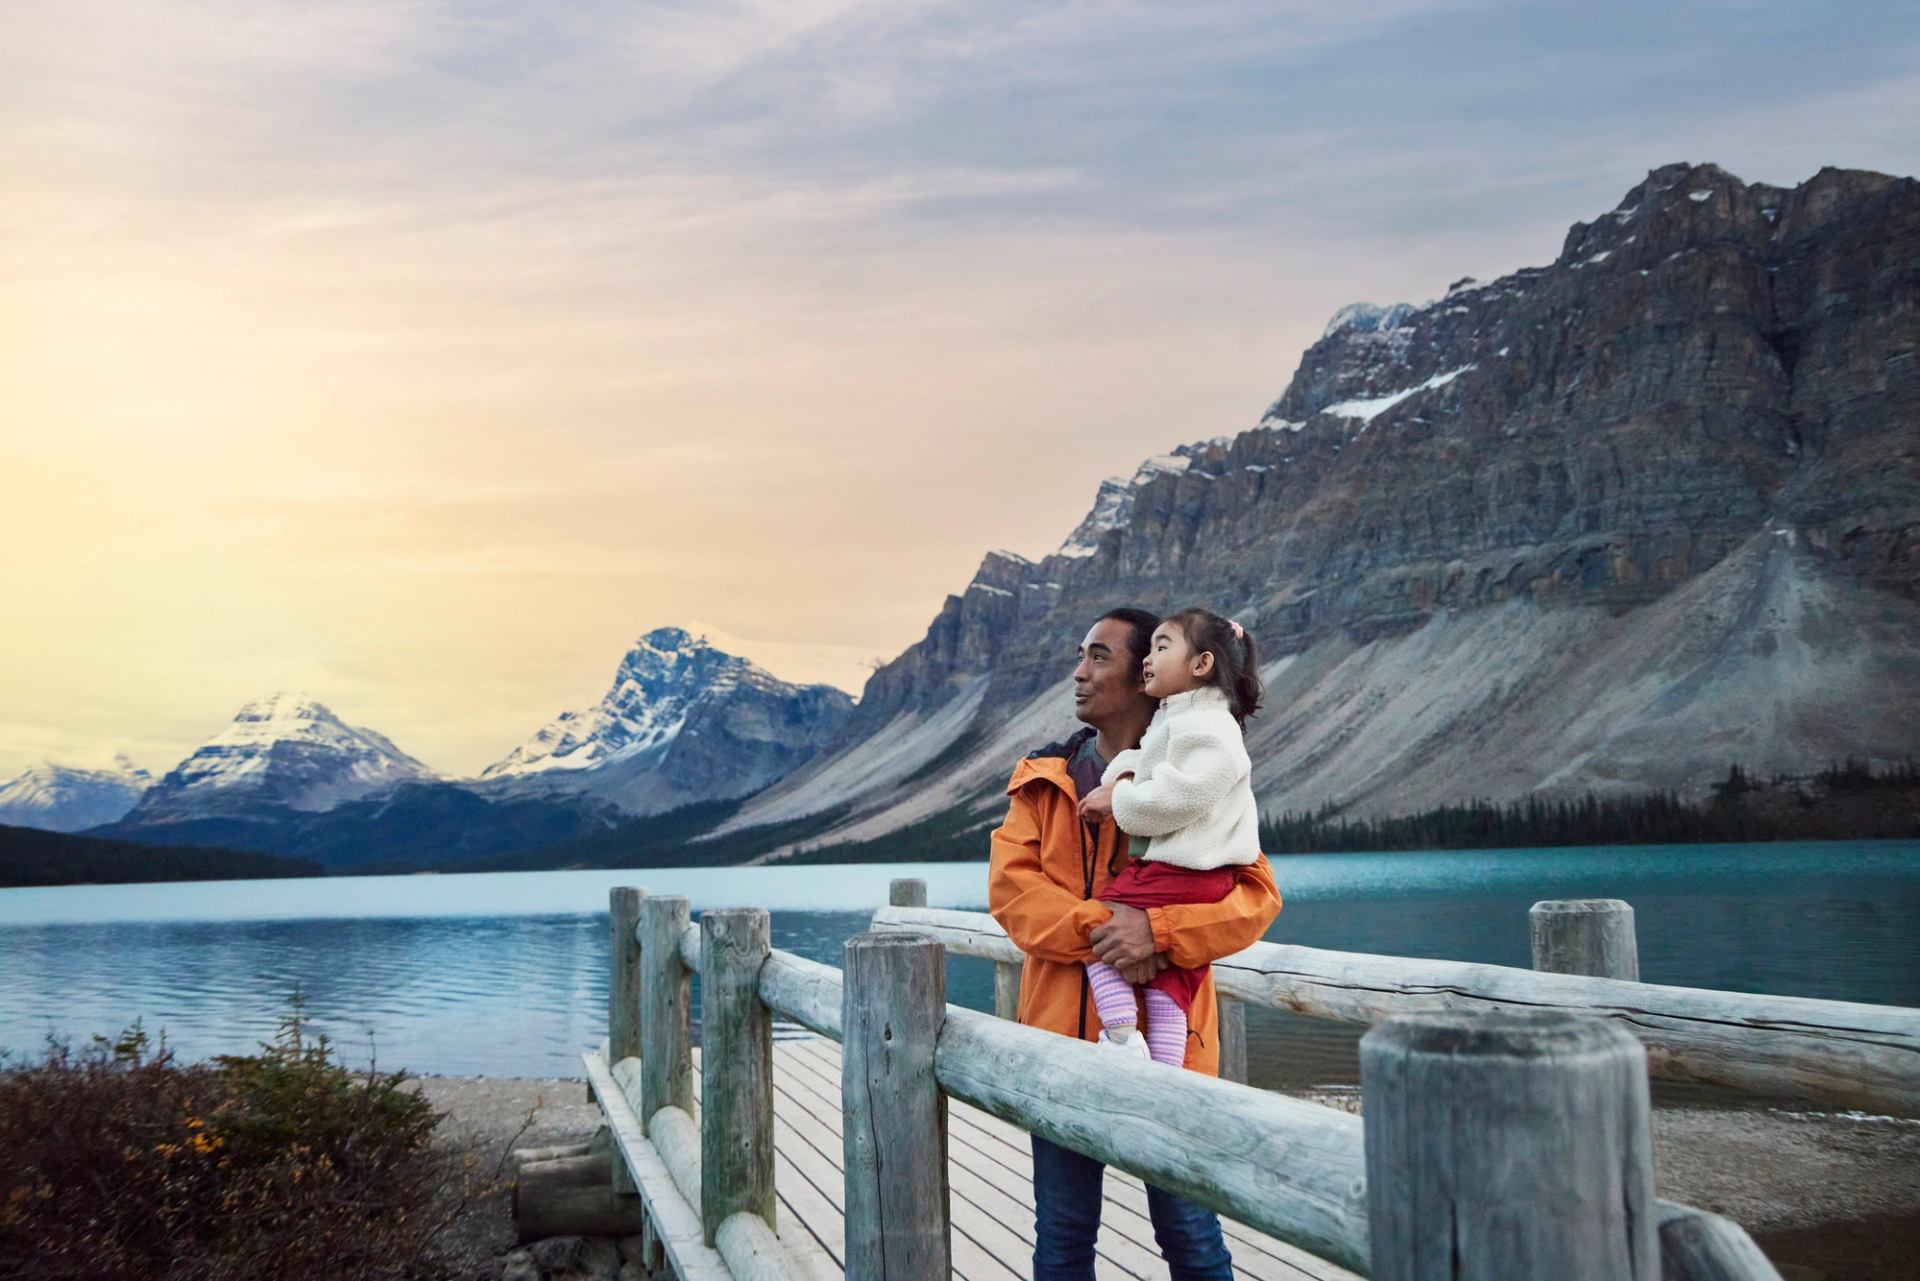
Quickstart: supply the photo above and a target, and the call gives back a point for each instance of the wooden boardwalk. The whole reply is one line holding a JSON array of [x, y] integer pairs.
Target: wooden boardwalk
[[759, 1192], [991, 1177]]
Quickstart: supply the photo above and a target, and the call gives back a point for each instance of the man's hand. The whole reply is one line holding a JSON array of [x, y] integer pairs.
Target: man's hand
[[1126, 940], [1097, 806]]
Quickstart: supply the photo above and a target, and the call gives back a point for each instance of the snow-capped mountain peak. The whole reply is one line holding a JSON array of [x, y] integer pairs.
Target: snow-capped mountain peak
[[654, 689], [65, 798], [287, 749], [683, 720]]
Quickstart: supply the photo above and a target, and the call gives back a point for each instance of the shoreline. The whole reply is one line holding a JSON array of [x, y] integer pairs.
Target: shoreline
[[1825, 1194], [769, 861]]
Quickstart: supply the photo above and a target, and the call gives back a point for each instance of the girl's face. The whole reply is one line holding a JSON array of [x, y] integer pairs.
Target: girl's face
[[1171, 666]]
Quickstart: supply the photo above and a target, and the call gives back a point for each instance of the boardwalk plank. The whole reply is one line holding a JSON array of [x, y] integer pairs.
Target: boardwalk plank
[[979, 1252], [809, 1222], [980, 1185]]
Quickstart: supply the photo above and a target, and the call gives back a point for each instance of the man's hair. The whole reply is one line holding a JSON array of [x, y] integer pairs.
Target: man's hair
[[1140, 625]]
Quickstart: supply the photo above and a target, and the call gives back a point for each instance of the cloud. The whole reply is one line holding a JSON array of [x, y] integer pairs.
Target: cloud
[[446, 345]]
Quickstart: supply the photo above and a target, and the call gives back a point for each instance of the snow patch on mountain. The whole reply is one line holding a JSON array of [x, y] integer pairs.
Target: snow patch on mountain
[[1371, 407], [1366, 317]]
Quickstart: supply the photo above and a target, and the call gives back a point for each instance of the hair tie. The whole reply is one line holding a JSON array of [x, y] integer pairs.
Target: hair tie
[[1239, 632]]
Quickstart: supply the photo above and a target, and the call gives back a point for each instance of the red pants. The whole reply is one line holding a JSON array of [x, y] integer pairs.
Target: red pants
[[1145, 883]]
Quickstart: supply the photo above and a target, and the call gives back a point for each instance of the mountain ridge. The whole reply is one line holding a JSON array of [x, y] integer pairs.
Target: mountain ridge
[[1712, 375], [67, 798]]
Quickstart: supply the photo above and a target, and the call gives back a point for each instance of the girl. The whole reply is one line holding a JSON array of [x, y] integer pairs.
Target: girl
[[1185, 799]]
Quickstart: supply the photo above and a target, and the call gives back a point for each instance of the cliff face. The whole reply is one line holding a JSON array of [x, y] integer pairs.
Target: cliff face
[[1677, 470]]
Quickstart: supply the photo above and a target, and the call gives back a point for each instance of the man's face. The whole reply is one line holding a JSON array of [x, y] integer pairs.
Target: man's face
[[1106, 683]]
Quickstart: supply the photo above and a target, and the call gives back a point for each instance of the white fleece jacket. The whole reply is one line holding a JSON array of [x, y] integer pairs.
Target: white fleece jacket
[[1191, 789]]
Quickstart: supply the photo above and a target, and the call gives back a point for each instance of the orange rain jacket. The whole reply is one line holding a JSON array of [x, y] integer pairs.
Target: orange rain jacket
[[1041, 886]]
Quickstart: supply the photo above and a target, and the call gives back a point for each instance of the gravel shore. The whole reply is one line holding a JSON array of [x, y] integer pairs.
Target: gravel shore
[[1829, 1196]]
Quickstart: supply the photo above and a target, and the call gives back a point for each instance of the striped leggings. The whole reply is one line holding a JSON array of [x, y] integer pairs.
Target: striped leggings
[[1113, 997]]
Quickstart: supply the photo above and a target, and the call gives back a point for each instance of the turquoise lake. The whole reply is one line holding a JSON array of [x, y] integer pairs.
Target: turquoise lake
[[504, 974]]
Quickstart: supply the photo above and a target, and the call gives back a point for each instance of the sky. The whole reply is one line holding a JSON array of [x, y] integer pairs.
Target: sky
[[420, 356]]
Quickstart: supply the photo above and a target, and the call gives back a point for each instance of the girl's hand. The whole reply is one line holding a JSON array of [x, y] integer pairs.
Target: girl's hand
[[1144, 973], [1097, 806]]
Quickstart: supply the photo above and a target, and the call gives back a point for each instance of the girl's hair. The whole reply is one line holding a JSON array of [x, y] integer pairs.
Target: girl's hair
[[1236, 662]]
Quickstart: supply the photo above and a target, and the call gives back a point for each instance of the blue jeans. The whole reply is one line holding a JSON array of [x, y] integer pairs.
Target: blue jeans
[[1066, 1219]]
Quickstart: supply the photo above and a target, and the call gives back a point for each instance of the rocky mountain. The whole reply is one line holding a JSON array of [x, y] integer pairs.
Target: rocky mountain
[[62, 798], [282, 752], [682, 722], [1606, 524]]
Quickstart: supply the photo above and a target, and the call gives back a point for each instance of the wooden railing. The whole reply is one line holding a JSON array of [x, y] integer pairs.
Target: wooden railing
[[1835, 1053], [1506, 1128]]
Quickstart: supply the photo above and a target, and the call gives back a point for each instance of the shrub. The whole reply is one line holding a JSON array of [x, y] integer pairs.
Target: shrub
[[116, 1161]]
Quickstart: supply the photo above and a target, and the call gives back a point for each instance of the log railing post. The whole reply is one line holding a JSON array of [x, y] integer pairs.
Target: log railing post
[[907, 891], [1590, 936], [666, 1016], [623, 996], [1511, 1145], [736, 1069], [898, 1222], [1233, 1040], [1006, 990]]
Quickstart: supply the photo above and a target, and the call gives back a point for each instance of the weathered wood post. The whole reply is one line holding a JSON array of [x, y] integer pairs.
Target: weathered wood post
[[1590, 936], [1509, 1145], [736, 1069], [1006, 989], [893, 1002], [623, 996], [666, 1016], [1233, 1039], [906, 891]]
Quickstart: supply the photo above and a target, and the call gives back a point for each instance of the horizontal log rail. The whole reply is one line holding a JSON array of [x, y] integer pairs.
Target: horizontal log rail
[[1840, 1053], [1292, 1169], [1441, 1086]]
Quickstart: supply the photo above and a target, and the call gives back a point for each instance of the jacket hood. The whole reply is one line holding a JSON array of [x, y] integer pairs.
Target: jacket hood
[[1049, 762]]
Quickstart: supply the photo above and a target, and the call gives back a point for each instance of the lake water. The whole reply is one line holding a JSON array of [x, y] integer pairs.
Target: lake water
[[504, 974]]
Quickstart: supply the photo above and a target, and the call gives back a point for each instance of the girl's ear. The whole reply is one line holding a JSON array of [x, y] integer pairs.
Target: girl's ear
[[1203, 665]]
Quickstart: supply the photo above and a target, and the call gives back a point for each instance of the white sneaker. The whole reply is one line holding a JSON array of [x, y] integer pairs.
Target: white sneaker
[[1134, 1047]]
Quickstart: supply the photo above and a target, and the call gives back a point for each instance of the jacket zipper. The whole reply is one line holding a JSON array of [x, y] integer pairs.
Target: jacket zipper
[[1086, 892]]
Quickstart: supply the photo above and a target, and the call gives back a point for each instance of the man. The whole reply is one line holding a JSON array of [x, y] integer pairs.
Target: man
[[1048, 866]]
